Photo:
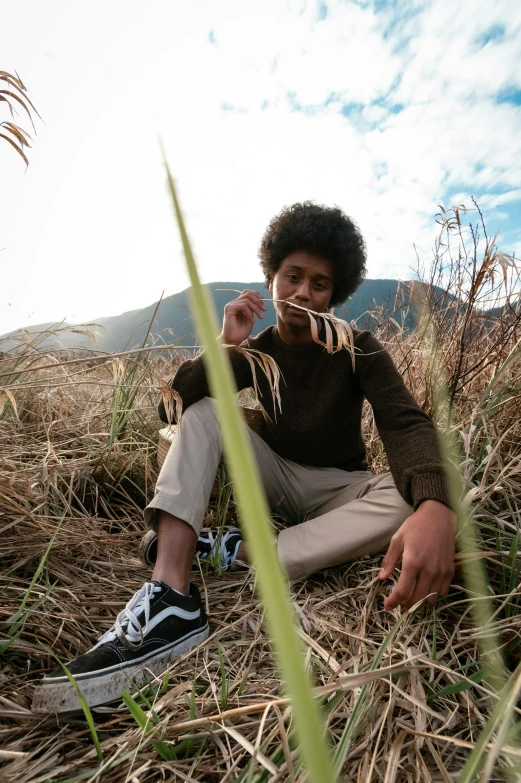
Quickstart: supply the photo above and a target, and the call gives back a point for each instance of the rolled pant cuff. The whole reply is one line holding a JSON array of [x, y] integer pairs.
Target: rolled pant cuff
[[163, 502], [293, 569]]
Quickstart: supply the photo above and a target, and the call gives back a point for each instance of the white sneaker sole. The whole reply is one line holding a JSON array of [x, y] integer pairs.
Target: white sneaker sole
[[61, 696]]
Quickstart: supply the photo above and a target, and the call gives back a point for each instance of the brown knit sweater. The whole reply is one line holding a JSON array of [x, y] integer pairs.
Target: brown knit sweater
[[320, 422]]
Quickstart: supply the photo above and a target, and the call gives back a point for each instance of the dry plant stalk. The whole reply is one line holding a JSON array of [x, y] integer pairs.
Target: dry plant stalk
[[257, 361], [15, 96], [268, 365], [339, 334], [334, 327]]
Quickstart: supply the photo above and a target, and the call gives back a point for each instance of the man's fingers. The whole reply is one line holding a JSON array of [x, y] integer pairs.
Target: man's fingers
[[254, 297], [254, 304], [404, 587], [243, 308], [446, 582], [258, 310], [424, 587], [437, 591], [391, 558], [439, 588]]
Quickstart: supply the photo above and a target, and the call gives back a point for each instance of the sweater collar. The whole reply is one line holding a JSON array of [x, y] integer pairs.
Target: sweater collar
[[303, 350]]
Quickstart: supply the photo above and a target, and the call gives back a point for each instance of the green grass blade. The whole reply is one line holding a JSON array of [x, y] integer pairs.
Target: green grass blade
[[255, 518], [166, 751], [457, 687], [224, 679], [498, 721], [468, 535], [353, 724], [467, 531], [83, 702], [16, 621], [513, 357], [142, 720]]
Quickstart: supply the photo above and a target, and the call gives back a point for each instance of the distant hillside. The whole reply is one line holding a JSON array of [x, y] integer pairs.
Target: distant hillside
[[173, 322]]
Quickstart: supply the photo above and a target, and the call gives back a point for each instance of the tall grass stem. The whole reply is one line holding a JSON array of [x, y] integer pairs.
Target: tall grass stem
[[254, 514]]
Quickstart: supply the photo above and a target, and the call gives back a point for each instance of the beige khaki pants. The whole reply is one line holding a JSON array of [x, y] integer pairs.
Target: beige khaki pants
[[346, 514]]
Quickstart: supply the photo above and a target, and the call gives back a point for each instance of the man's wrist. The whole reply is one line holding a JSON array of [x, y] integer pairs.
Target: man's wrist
[[222, 339], [432, 506], [431, 503]]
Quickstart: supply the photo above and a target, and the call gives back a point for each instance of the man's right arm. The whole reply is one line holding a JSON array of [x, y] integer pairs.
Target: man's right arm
[[190, 381]]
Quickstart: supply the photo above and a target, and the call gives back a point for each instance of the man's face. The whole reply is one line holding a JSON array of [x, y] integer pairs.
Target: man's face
[[306, 280]]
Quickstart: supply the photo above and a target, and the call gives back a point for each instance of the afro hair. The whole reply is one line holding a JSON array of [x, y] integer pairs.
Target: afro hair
[[321, 231]]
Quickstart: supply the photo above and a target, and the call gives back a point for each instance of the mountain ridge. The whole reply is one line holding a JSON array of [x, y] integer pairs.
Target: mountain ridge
[[173, 320]]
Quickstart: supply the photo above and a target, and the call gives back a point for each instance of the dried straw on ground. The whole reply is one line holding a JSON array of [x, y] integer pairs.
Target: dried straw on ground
[[78, 465]]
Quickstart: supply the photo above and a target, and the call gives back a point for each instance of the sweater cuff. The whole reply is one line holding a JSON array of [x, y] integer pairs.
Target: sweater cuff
[[429, 486]]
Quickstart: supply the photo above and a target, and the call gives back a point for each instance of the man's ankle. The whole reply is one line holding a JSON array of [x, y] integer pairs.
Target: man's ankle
[[175, 581], [175, 553], [242, 554]]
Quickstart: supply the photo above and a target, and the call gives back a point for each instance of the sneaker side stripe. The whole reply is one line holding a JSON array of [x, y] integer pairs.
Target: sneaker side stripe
[[170, 611]]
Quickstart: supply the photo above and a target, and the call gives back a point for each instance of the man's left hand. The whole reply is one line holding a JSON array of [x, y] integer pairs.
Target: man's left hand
[[425, 543]]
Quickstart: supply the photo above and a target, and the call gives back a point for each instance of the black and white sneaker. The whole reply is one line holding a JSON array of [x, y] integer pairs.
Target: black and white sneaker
[[219, 545], [157, 625]]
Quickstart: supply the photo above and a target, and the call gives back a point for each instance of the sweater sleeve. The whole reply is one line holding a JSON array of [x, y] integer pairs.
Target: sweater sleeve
[[191, 383], [408, 434]]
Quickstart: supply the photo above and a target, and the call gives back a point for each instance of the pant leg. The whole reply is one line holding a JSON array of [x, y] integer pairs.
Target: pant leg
[[186, 479], [357, 520]]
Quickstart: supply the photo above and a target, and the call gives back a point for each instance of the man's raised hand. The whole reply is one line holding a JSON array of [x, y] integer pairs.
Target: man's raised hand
[[239, 317], [425, 543]]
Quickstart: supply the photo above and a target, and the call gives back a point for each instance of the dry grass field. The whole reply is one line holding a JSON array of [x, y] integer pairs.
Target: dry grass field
[[78, 439]]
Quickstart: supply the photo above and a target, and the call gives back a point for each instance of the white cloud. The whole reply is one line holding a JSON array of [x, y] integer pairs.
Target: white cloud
[[446, 57], [89, 227]]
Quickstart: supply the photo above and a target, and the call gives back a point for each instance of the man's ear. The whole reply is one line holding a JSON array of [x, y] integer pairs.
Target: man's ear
[[269, 285]]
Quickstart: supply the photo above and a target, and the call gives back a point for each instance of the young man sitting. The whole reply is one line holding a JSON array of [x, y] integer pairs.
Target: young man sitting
[[311, 459]]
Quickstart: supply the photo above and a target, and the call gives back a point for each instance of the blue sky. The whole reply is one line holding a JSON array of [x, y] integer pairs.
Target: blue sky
[[384, 108]]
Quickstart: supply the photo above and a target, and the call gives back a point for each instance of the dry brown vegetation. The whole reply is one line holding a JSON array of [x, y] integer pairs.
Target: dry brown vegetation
[[13, 93], [79, 437]]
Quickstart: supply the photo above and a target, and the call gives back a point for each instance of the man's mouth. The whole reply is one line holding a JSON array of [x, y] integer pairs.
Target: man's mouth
[[296, 310]]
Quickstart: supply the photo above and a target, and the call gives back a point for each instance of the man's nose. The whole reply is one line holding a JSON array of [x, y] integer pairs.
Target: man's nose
[[303, 291]]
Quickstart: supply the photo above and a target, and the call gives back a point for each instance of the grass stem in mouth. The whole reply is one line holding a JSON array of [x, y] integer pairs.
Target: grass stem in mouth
[[333, 326]]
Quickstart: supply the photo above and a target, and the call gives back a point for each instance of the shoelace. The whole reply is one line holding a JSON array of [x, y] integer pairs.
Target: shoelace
[[127, 628], [227, 557], [208, 537]]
